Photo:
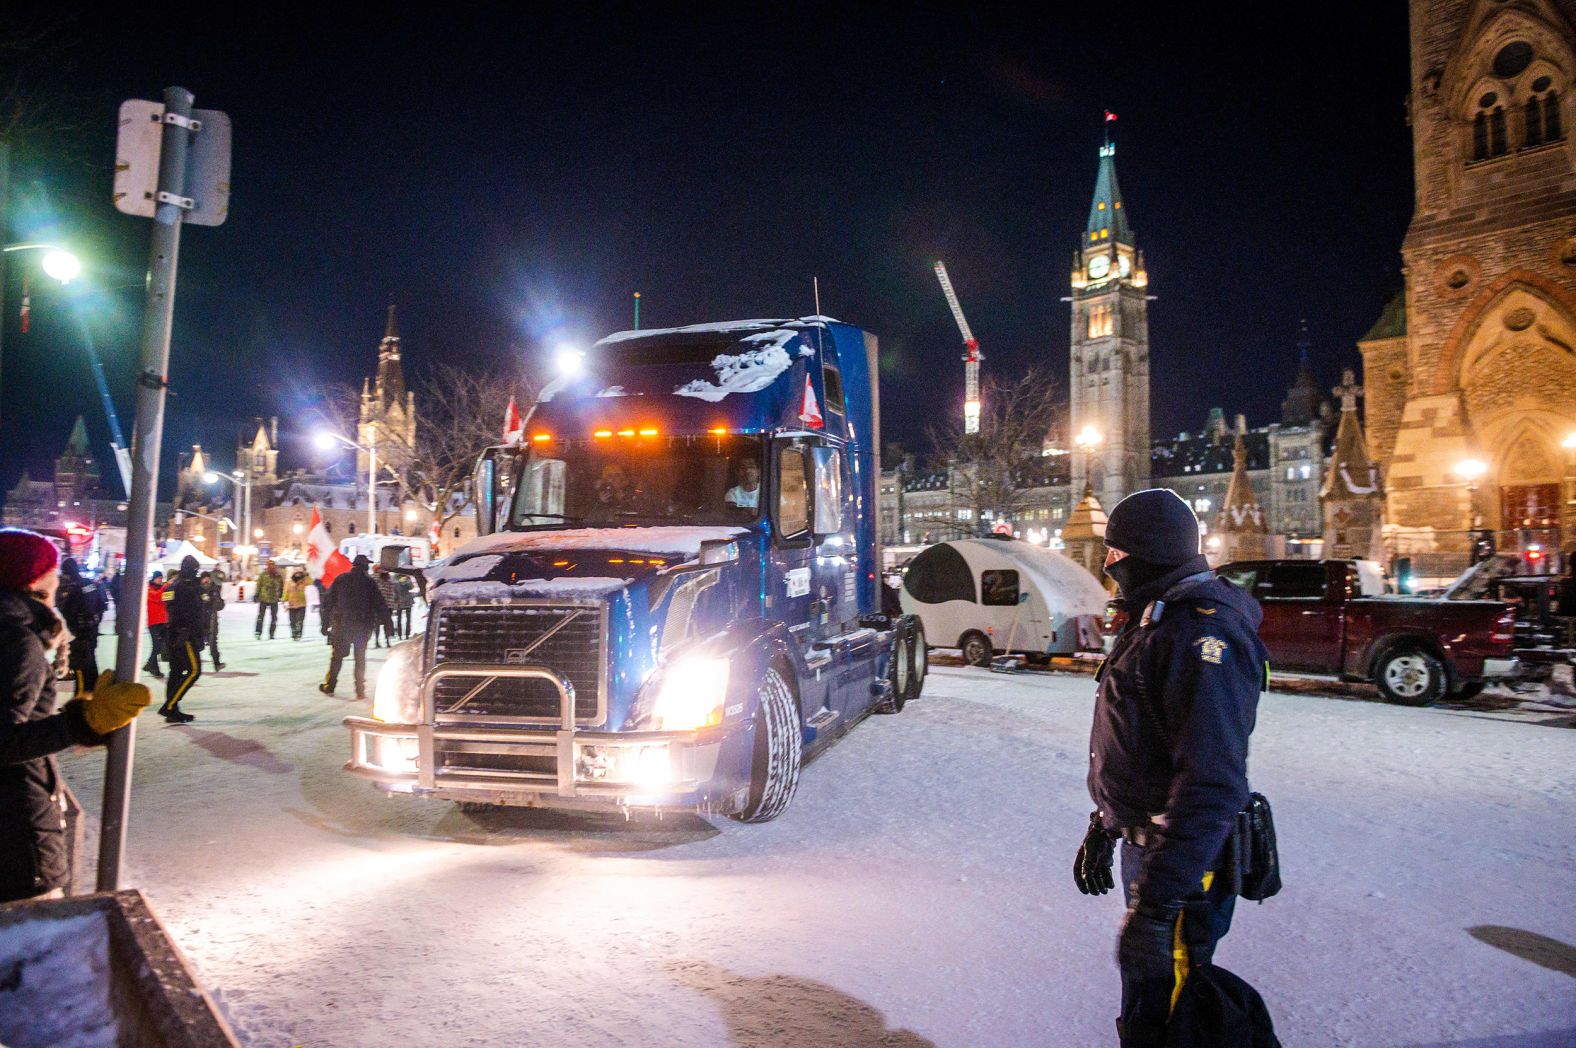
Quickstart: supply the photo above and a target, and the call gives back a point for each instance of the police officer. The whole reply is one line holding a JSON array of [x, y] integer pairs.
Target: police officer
[[1168, 753], [187, 622]]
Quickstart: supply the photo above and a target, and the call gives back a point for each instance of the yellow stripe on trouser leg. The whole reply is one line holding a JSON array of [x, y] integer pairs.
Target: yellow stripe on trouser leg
[[180, 693], [1179, 950]]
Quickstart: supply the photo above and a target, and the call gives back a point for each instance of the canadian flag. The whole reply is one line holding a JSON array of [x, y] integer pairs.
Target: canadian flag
[[323, 558], [513, 425], [809, 409]]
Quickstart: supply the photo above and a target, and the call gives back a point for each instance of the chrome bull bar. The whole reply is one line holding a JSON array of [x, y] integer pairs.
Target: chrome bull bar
[[563, 745]]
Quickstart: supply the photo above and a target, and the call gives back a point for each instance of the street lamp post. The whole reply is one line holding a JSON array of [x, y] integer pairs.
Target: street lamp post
[[57, 263], [241, 482], [327, 439], [1086, 440]]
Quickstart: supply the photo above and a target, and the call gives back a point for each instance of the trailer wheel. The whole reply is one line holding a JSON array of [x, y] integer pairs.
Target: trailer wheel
[[900, 669], [976, 648], [779, 745], [1411, 677], [919, 652]]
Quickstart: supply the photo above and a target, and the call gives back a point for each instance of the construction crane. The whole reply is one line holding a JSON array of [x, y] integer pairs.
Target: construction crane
[[971, 355]]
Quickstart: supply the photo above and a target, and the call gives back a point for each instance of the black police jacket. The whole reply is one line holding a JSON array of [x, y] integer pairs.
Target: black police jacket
[[1174, 707], [183, 600]]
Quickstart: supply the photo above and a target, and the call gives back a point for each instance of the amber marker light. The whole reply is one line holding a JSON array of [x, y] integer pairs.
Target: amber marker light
[[602, 434], [626, 433], [648, 432], [542, 438], [718, 431]]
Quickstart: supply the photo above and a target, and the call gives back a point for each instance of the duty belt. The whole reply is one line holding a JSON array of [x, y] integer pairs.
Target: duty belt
[[1140, 836]]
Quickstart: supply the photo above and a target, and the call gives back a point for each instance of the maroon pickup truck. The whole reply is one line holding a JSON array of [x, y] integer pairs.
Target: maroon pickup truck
[[1316, 620]]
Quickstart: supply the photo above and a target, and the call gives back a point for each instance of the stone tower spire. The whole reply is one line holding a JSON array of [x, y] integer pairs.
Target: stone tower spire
[[1301, 405], [1351, 496], [1110, 348], [388, 408], [1240, 522], [390, 384]]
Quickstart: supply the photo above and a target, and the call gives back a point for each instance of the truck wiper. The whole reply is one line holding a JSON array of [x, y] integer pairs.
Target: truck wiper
[[555, 516]]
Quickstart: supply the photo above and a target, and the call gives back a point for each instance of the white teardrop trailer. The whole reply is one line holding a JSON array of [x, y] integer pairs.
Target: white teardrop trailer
[[1003, 596]]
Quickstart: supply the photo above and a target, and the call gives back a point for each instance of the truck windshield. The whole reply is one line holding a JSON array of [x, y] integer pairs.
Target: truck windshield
[[618, 480]]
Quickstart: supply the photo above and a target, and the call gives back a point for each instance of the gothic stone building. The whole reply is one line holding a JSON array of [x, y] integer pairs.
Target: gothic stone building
[[1478, 361]]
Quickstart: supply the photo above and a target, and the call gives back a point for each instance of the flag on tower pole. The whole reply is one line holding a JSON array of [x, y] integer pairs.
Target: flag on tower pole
[[513, 425], [1110, 117], [323, 560]]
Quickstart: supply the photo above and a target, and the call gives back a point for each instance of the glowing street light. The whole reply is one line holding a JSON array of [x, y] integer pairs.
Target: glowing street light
[[571, 360], [61, 265], [1087, 438], [1471, 470], [327, 439]]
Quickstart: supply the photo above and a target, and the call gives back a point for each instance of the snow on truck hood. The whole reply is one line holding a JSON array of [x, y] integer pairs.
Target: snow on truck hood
[[464, 575]]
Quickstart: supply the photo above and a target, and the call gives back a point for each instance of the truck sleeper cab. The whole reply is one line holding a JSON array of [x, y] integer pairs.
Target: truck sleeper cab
[[674, 599]]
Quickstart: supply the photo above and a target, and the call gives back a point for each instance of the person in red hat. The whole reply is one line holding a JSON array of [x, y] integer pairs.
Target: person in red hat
[[33, 639]]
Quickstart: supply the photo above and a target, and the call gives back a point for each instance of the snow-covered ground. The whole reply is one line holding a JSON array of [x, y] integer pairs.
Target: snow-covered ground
[[918, 891]]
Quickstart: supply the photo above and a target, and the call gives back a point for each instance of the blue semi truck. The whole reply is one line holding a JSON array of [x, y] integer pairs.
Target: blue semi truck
[[674, 601]]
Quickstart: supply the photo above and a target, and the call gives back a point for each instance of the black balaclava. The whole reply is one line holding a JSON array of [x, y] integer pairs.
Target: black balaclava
[[1159, 534]]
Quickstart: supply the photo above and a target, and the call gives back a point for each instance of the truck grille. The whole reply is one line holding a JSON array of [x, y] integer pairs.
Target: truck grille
[[513, 634]]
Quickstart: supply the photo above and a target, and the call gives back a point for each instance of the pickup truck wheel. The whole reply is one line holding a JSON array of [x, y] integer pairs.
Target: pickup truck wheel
[[900, 668], [976, 648], [779, 745], [1410, 677], [920, 654]]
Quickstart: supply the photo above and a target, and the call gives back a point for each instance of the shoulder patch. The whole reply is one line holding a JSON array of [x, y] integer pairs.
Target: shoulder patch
[[1210, 649]]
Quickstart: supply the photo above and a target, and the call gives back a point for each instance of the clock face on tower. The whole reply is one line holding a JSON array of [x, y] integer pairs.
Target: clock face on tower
[[1099, 266], [1122, 265]]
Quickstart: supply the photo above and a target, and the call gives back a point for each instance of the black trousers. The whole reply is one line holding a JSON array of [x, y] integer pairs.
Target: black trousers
[[84, 663], [213, 641], [297, 622], [271, 609], [157, 650], [1204, 921], [402, 623], [344, 642], [185, 668]]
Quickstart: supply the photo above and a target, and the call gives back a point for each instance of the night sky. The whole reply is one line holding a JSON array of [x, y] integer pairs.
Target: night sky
[[509, 181]]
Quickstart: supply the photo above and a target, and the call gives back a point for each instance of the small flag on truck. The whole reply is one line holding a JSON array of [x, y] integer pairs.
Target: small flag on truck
[[810, 409], [513, 425]]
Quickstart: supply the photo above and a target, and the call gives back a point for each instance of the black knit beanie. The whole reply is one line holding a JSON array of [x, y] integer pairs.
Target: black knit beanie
[[1154, 525]]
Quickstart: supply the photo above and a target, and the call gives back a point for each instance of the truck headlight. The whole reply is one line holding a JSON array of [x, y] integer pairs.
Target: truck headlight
[[397, 697], [690, 694]]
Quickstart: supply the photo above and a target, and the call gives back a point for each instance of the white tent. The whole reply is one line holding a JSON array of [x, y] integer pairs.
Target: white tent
[[170, 563]]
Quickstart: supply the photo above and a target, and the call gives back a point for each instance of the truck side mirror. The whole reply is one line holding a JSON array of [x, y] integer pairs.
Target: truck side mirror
[[490, 487]]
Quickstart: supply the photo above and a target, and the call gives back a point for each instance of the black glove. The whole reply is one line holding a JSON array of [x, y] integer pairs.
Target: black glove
[[1145, 948], [1092, 867]]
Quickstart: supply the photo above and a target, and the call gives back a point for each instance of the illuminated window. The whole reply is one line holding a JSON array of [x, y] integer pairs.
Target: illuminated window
[[1100, 206], [1104, 233], [1118, 205], [1306, 471], [1093, 237], [1101, 322]]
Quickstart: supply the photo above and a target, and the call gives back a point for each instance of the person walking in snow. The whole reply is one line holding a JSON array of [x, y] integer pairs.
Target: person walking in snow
[[1175, 704], [385, 584], [353, 609], [404, 603], [295, 602], [183, 601], [80, 606], [212, 591], [34, 848], [270, 587], [158, 625]]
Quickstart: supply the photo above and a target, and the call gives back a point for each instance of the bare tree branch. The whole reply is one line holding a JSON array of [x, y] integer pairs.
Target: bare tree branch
[[995, 472]]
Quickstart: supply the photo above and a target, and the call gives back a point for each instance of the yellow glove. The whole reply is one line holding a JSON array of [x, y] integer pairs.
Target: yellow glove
[[114, 704]]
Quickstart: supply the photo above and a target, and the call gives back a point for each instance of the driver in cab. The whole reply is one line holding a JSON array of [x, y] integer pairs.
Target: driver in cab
[[747, 493]]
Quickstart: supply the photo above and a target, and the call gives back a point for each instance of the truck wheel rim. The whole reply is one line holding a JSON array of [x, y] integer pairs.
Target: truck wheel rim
[[900, 666], [1407, 675]]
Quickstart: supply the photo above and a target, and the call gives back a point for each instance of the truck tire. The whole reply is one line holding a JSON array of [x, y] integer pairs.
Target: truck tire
[[779, 745], [976, 648], [900, 670], [920, 653], [1411, 677]]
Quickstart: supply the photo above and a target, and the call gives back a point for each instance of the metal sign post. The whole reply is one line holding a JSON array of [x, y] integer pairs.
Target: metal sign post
[[139, 153]]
